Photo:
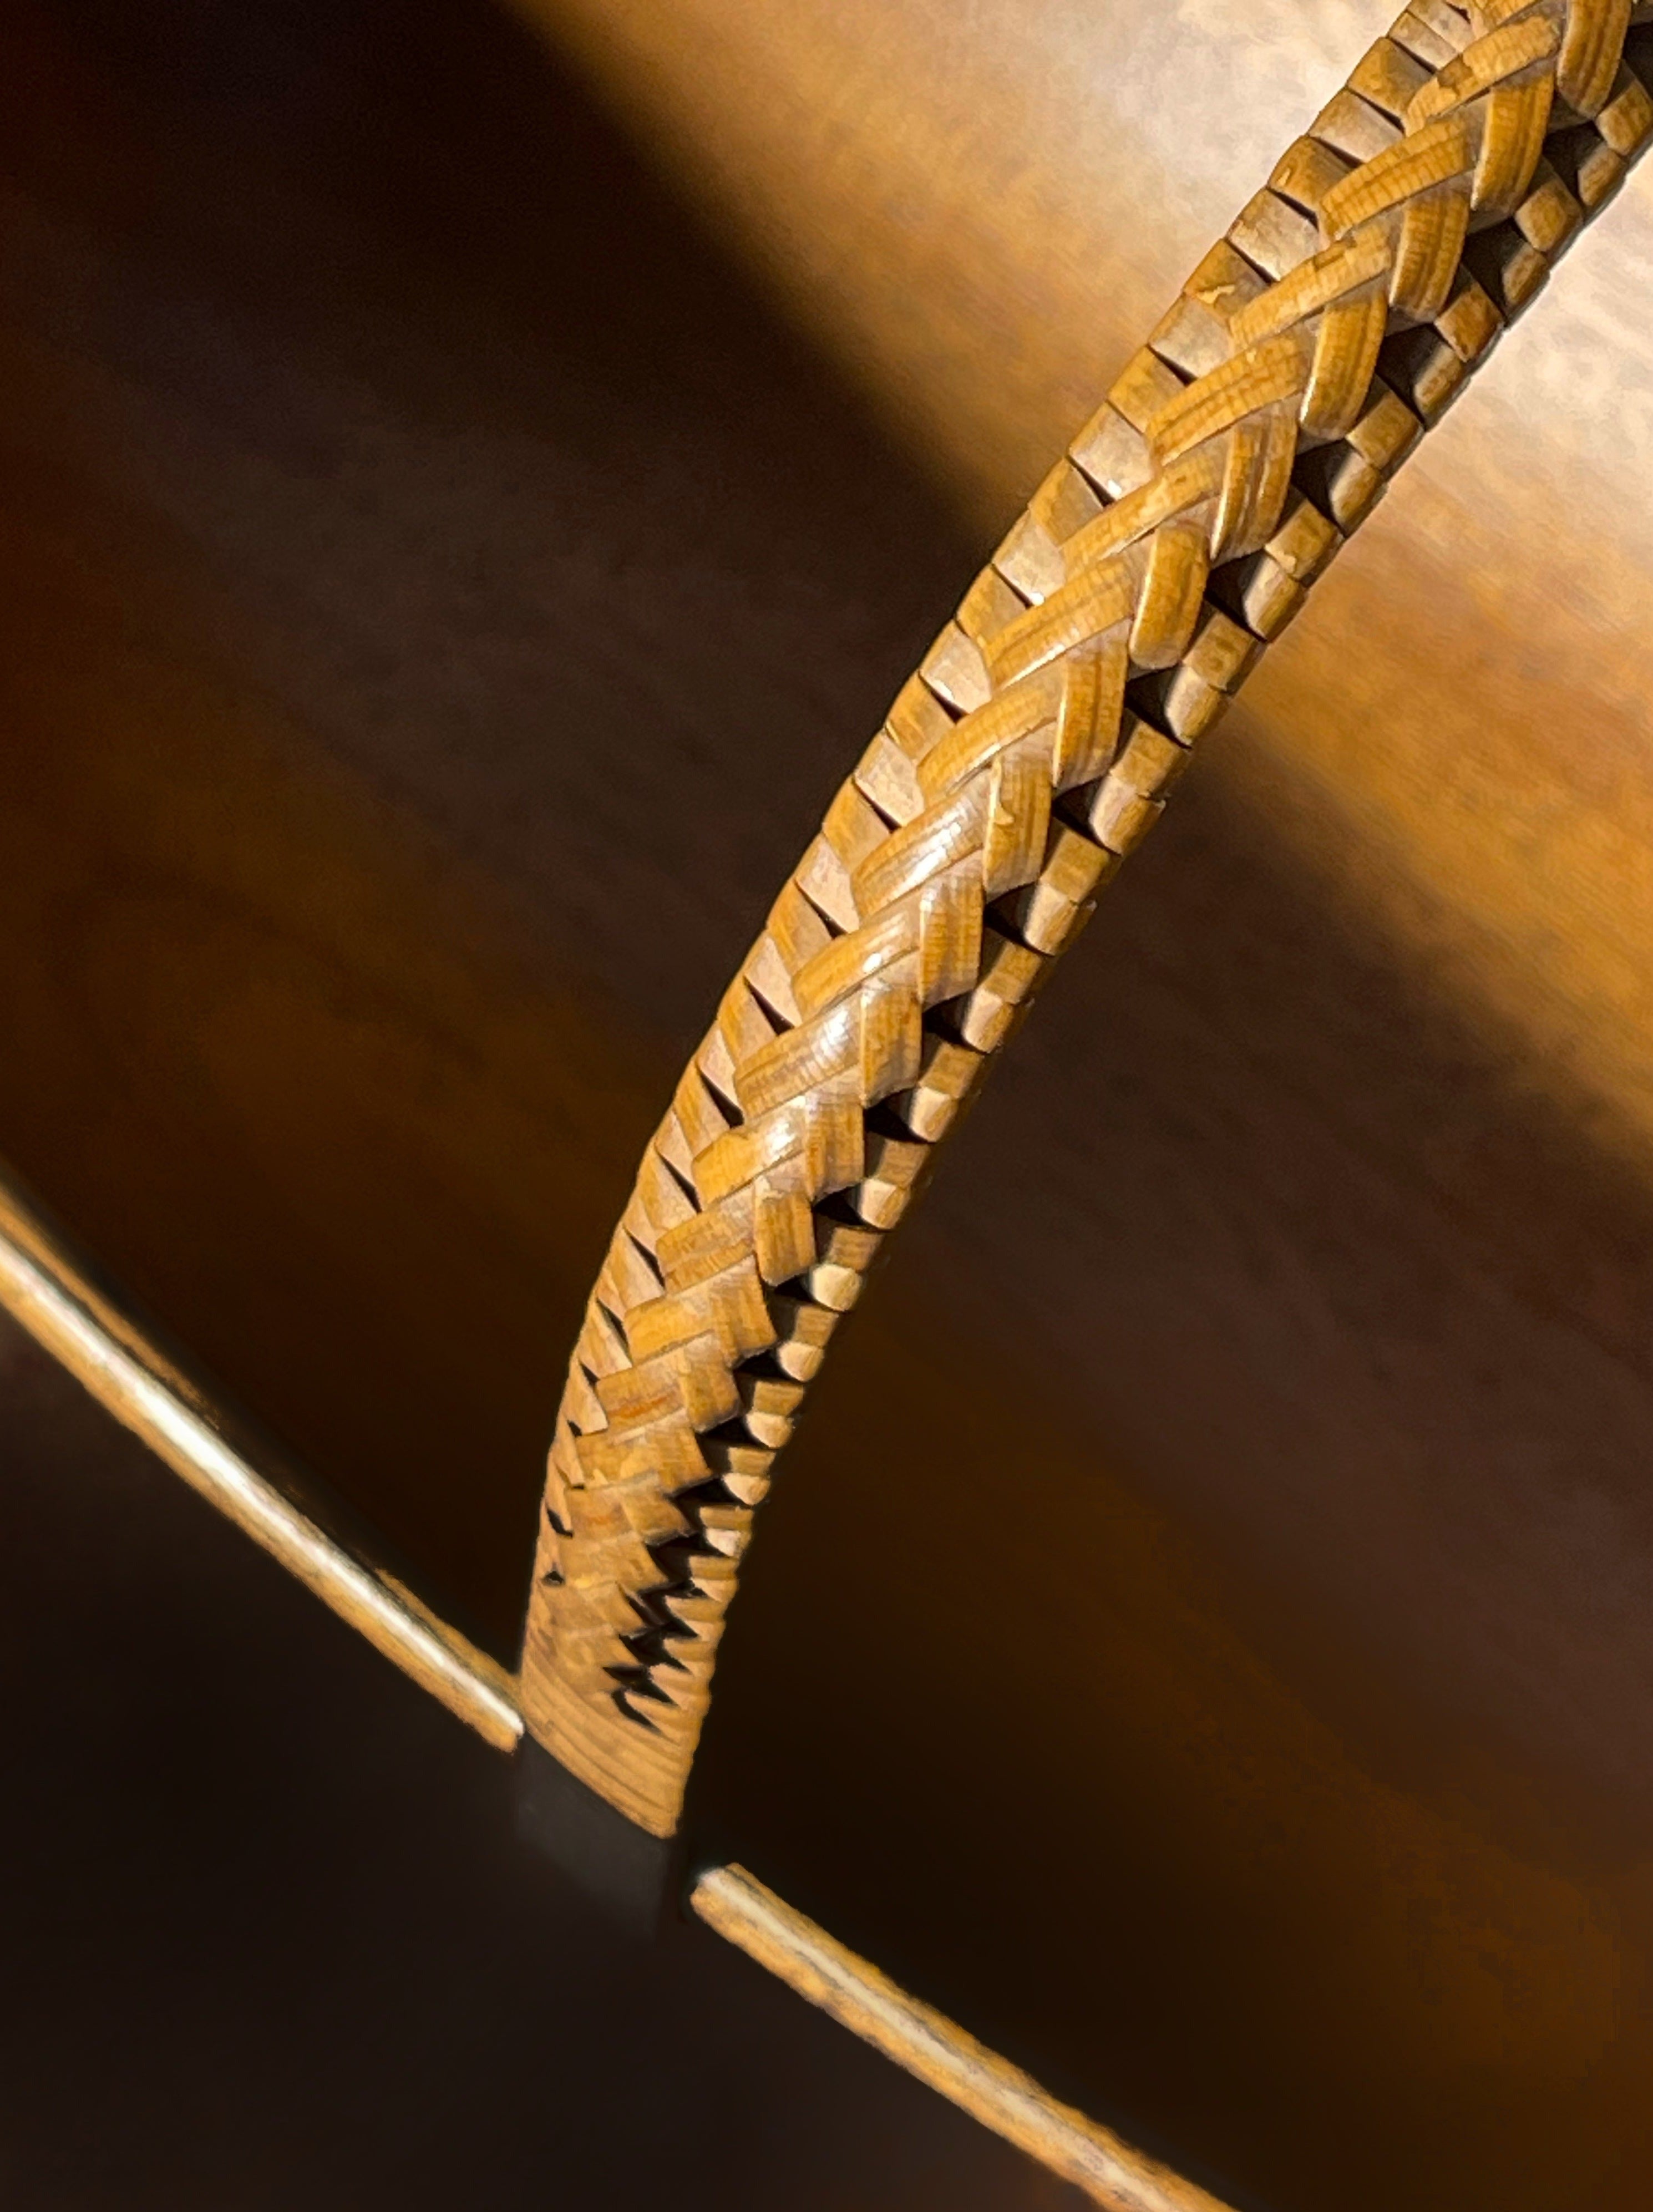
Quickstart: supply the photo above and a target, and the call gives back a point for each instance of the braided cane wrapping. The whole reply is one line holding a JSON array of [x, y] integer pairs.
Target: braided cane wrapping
[[1034, 748]]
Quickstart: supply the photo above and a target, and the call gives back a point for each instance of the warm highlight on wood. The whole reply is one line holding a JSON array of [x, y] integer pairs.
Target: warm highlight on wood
[[928, 2045], [1336, 321], [41, 1287]]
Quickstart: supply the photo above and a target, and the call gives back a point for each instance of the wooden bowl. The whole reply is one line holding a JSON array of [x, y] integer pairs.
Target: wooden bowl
[[454, 542]]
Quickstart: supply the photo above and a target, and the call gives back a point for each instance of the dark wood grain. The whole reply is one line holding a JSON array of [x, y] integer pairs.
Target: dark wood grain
[[407, 523]]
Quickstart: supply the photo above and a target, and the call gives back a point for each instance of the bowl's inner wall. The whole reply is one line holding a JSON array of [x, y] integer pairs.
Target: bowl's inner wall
[[437, 602]]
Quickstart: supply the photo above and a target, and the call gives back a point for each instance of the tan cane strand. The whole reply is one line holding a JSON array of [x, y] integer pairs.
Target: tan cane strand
[[1034, 748]]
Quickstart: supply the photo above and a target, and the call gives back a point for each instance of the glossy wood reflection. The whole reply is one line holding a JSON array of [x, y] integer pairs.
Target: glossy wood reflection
[[408, 522], [981, 211]]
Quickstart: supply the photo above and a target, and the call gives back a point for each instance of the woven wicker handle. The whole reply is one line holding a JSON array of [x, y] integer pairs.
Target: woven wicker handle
[[1257, 428]]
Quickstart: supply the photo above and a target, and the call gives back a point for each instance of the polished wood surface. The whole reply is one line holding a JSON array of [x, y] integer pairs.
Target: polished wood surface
[[422, 587], [368, 583]]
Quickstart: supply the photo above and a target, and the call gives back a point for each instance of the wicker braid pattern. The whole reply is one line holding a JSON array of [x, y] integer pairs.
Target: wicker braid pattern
[[1335, 322]]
